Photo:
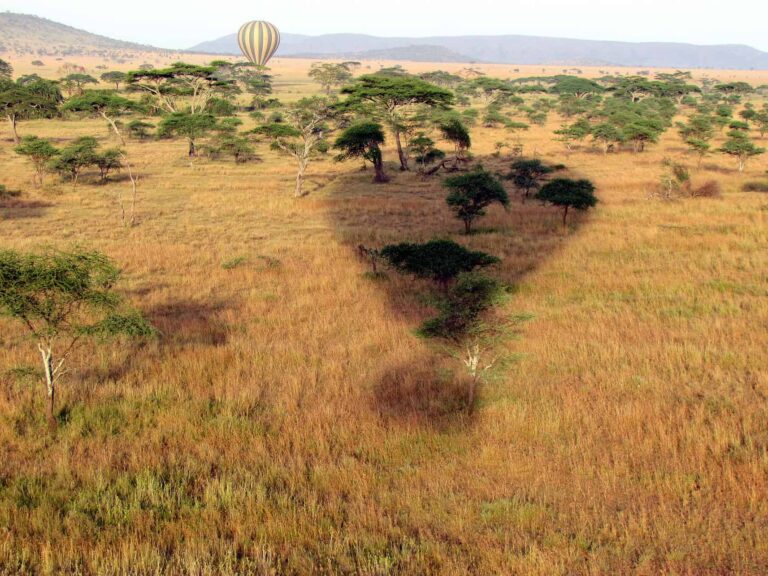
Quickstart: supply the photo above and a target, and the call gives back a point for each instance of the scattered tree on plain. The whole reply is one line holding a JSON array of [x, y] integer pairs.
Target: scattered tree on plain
[[110, 106], [194, 85], [191, 126], [741, 147], [76, 83], [305, 128], [26, 99], [65, 299], [116, 77], [40, 152], [396, 99], [566, 193], [471, 193], [363, 140], [528, 174], [76, 157], [329, 75]]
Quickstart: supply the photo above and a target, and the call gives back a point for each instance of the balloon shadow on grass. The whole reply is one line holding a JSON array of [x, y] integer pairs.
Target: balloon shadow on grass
[[433, 388]]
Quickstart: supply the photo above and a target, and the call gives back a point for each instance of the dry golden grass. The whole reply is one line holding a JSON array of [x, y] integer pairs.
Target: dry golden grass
[[289, 422]]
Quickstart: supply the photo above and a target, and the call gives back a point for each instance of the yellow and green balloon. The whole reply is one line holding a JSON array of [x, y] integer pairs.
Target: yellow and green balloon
[[259, 41]]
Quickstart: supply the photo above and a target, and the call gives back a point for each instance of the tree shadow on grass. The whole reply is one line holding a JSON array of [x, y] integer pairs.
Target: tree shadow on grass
[[18, 209], [183, 323], [432, 388], [424, 391]]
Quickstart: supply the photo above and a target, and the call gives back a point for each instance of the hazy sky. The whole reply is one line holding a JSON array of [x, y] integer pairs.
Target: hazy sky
[[181, 24]]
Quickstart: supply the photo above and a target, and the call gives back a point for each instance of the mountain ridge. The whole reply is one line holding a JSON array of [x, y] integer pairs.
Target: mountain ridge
[[517, 49], [34, 35]]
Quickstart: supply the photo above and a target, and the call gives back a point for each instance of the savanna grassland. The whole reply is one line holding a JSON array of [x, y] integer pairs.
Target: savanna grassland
[[288, 420]]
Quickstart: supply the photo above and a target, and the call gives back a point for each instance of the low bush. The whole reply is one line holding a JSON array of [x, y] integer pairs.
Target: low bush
[[460, 309], [439, 260]]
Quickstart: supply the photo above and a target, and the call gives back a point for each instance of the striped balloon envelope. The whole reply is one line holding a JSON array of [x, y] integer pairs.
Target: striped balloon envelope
[[259, 41]]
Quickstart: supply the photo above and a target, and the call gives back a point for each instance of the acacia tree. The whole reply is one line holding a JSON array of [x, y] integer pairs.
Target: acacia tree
[[697, 134], [580, 88], [442, 78], [191, 126], [438, 260], [115, 77], [102, 103], [527, 174], [455, 131], [363, 140], [196, 85], [76, 157], [75, 83], [396, 99], [608, 135], [567, 193], [576, 131], [426, 153], [762, 121], [64, 299], [471, 193], [642, 131], [40, 152], [24, 100], [492, 90], [305, 126], [741, 147], [330, 75], [633, 88], [110, 106], [234, 78]]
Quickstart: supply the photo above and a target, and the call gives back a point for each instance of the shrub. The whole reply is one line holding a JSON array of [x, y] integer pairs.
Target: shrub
[[439, 260], [139, 129], [459, 311], [40, 152], [75, 157], [220, 107], [109, 161]]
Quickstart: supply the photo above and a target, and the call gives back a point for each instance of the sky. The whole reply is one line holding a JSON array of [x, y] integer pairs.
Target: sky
[[182, 24]]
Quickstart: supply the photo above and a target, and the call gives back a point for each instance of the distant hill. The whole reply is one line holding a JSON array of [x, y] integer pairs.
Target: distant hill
[[524, 50], [410, 53], [32, 35], [25, 34]]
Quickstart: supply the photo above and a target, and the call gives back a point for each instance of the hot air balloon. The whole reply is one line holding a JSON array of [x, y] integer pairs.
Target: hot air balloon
[[259, 41]]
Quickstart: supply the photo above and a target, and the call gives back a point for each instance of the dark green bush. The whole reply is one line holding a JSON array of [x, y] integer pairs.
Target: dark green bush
[[460, 309], [220, 107], [440, 260]]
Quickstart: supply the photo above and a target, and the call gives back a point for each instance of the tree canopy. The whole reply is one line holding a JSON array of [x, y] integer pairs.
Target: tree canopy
[[64, 298], [471, 193], [567, 193], [363, 140], [393, 98]]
